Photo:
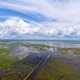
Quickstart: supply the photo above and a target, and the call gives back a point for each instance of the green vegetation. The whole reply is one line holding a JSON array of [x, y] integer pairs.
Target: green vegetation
[[6, 58], [68, 51], [59, 68]]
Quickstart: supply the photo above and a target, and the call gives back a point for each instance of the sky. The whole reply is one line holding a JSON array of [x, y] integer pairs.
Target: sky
[[40, 19]]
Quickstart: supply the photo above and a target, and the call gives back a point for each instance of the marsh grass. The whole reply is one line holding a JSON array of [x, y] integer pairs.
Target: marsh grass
[[59, 68]]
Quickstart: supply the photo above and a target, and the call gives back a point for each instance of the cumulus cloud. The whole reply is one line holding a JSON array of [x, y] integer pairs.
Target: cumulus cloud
[[17, 26], [61, 29]]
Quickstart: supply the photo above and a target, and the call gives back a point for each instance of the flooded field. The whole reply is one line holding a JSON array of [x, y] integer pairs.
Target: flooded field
[[19, 58]]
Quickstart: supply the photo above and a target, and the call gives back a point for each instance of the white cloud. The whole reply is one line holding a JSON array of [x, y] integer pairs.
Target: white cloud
[[17, 26], [62, 29]]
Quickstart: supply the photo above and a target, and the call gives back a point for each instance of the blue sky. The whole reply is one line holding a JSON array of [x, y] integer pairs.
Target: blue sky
[[40, 19]]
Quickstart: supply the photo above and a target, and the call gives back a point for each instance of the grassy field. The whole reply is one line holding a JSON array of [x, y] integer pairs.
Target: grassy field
[[70, 51], [6, 58], [61, 68]]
